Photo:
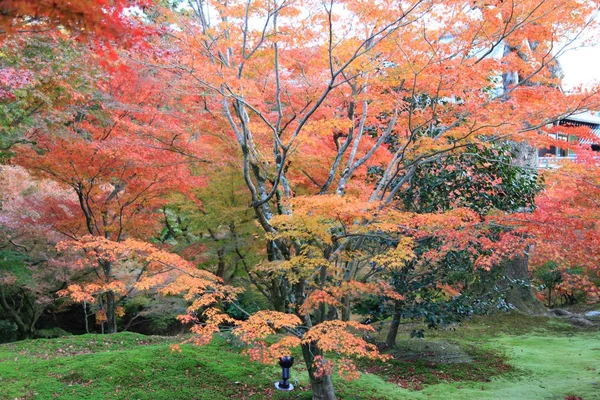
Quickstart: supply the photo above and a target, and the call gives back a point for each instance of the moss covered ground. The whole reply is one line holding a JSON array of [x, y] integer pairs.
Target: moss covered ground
[[511, 357]]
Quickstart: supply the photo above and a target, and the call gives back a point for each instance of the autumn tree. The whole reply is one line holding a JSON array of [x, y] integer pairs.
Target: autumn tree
[[317, 278], [480, 179], [30, 273], [565, 225], [109, 135], [315, 93], [90, 122]]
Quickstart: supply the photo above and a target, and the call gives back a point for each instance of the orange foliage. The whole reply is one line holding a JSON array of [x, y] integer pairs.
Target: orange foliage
[[138, 266], [565, 227], [84, 17], [340, 338], [101, 317], [121, 160]]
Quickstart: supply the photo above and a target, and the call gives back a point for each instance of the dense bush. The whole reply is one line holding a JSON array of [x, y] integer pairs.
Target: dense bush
[[8, 331]]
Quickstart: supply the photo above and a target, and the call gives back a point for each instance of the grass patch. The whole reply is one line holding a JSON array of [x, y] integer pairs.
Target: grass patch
[[485, 327], [128, 366], [551, 368], [548, 362], [415, 374], [47, 349]]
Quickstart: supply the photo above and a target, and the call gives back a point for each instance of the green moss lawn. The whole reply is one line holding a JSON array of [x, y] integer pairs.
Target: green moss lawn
[[511, 357]]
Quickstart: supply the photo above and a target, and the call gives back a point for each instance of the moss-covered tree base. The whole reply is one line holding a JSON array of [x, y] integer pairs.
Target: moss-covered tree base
[[517, 287]]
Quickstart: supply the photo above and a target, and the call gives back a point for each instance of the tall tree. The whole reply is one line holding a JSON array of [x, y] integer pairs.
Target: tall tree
[[30, 273], [482, 180], [314, 93], [565, 223], [117, 150]]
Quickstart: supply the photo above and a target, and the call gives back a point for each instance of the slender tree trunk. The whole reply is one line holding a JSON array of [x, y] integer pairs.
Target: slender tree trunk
[[322, 386], [221, 263], [346, 301], [35, 315], [26, 334], [111, 300], [390, 340], [111, 315], [85, 317], [26, 330]]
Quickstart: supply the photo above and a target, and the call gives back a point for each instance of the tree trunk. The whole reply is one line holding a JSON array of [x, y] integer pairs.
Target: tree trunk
[[520, 294], [390, 339], [111, 300], [26, 333], [85, 317], [322, 389], [277, 295], [346, 302], [111, 315], [221, 263], [517, 268], [25, 330], [322, 386]]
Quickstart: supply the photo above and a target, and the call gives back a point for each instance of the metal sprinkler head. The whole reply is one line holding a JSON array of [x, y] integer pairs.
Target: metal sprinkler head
[[285, 363]]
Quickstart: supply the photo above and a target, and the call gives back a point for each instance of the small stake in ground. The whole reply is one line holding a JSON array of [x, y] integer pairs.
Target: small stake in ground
[[286, 363]]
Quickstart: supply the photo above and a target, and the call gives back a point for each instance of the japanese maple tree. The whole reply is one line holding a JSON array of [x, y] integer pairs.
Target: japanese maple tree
[[565, 224], [30, 271], [315, 93], [116, 148]]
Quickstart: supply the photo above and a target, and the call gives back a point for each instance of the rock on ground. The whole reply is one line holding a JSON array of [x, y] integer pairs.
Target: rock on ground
[[581, 322], [432, 351], [561, 313]]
